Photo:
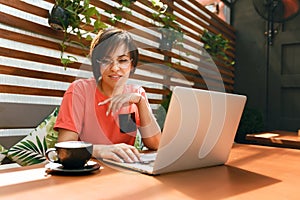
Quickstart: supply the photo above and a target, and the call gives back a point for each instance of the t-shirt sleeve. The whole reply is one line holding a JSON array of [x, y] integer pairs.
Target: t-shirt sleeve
[[71, 112]]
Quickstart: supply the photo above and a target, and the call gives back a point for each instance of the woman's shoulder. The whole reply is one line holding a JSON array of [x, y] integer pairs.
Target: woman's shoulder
[[82, 84], [90, 82], [85, 81]]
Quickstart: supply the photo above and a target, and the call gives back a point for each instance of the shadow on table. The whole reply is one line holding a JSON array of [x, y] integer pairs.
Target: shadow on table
[[211, 183], [207, 183], [216, 182]]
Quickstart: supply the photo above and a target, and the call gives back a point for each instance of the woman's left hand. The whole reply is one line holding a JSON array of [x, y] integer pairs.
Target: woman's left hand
[[118, 101]]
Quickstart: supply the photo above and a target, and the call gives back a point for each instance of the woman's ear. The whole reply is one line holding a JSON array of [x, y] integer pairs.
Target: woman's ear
[[132, 69], [99, 79]]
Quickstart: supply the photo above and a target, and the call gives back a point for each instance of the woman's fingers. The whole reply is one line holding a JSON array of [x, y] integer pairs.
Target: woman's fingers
[[104, 102], [117, 102], [123, 153], [133, 156], [127, 153]]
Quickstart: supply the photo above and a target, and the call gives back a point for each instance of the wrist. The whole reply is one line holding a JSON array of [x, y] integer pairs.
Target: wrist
[[141, 99]]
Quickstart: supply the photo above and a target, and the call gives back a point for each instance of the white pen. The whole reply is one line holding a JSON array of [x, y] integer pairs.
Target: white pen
[[104, 102]]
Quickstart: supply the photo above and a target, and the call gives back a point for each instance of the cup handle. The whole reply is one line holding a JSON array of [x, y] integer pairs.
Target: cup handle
[[50, 158]]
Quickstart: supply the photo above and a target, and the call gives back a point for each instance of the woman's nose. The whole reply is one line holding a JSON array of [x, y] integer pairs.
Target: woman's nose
[[115, 66]]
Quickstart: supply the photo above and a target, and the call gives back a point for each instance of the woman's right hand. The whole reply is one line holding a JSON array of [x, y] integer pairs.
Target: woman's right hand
[[117, 152]]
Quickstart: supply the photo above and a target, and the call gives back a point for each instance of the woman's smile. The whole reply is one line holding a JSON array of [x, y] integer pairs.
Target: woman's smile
[[115, 77]]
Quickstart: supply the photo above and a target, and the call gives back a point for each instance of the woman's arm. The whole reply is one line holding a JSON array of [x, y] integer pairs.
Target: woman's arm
[[149, 128], [117, 152], [66, 135]]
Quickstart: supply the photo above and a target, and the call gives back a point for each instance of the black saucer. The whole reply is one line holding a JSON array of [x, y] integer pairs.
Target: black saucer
[[58, 168]]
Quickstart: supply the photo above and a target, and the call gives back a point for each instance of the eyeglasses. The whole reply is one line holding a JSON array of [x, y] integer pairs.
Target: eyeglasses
[[123, 63]]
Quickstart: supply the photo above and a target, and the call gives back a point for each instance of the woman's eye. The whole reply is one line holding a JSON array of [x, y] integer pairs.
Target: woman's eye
[[105, 62], [123, 60]]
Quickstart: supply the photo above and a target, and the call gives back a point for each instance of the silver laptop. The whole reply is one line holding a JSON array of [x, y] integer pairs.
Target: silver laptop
[[199, 131]]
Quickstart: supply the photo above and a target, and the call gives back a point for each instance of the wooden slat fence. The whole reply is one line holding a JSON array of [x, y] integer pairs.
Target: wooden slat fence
[[30, 67]]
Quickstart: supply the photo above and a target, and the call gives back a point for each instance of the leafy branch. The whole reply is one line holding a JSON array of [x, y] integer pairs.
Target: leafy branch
[[79, 14], [216, 46]]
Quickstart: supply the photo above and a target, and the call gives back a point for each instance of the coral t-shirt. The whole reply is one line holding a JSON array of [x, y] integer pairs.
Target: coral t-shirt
[[79, 112]]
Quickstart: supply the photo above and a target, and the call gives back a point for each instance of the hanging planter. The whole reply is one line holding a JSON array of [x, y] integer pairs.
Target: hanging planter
[[171, 32], [70, 16], [58, 18], [167, 39]]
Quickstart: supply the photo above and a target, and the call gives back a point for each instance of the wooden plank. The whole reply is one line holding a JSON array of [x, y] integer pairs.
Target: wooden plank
[[35, 10], [211, 22], [10, 89], [217, 21], [39, 58], [15, 71], [155, 101], [157, 91], [26, 7], [13, 36], [35, 28], [178, 71]]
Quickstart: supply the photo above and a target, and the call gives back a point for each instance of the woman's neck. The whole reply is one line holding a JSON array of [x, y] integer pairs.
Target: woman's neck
[[110, 91]]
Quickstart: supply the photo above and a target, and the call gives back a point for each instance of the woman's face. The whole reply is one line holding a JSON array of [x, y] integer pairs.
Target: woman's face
[[115, 68]]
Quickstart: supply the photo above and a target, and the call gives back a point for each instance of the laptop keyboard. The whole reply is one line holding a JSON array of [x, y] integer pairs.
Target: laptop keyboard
[[147, 158]]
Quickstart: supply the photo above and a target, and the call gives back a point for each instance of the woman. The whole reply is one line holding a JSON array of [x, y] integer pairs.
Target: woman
[[104, 110]]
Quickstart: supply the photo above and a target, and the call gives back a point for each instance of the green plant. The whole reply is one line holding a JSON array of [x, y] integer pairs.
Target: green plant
[[124, 4], [170, 29], [31, 149], [216, 46], [3, 153], [160, 113], [251, 122], [80, 14], [49, 122], [166, 101], [28, 152]]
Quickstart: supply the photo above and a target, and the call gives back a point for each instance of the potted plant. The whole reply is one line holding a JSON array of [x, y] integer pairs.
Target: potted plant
[[251, 122], [71, 16], [216, 46], [170, 30], [58, 18], [124, 6]]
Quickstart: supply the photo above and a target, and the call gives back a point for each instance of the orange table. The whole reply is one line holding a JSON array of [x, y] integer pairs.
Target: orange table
[[252, 172]]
